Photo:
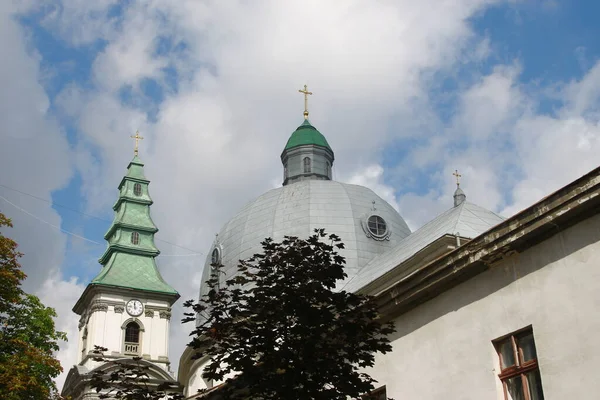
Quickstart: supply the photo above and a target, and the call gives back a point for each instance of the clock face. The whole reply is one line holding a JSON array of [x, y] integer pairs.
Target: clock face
[[135, 308]]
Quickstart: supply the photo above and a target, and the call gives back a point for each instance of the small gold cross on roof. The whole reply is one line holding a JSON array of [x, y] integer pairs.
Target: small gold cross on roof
[[137, 138], [306, 93], [458, 176]]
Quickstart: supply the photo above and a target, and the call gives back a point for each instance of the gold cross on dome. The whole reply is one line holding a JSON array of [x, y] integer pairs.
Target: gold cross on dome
[[458, 176], [137, 138], [306, 93]]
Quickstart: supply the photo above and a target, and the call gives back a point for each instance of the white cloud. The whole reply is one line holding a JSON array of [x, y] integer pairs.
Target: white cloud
[[79, 22], [62, 295], [490, 104], [372, 177], [552, 152], [34, 158], [213, 142], [584, 95]]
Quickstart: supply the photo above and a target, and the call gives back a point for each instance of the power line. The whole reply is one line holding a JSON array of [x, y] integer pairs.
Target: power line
[[87, 215], [48, 223], [54, 204]]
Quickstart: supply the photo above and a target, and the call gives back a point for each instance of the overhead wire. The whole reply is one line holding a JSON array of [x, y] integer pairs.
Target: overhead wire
[[48, 223], [194, 253]]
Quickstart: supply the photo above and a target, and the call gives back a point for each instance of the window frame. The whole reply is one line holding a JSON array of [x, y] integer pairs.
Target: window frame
[[137, 189], [135, 238], [307, 163], [520, 368], [139, 332], [379, 222], [215, 256], [133, 348]]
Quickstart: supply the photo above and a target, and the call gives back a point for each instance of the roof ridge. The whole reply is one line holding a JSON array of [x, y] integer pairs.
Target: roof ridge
[[460, 208]]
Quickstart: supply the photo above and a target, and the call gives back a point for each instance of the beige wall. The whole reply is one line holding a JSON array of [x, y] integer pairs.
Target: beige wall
[[443, 350], [105, 328]]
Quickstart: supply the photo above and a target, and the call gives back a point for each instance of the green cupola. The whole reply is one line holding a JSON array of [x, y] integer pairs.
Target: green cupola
[[306, 135], [307, 155], [129, 259]]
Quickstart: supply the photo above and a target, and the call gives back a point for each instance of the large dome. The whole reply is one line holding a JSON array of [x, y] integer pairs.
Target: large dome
[[365, 222]]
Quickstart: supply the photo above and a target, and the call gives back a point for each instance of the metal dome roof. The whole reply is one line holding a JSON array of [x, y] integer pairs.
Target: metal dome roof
[[296, 210], [306, 134]]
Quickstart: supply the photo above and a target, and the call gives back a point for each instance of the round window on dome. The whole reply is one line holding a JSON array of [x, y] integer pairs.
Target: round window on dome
[[377, 225]]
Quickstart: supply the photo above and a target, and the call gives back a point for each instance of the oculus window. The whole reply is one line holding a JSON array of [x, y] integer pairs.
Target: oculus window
[[377, 225]]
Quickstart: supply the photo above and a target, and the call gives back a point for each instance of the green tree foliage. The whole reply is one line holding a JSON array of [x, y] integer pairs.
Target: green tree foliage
[[281, 328], [28, 338]]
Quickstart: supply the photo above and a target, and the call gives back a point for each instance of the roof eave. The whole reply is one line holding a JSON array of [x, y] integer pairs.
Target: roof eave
[[93, 287], [554, 213], [124, 249]]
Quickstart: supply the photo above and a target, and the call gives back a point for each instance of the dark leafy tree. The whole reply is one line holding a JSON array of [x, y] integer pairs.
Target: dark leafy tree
[[129, 379], [283, 331], [28, 338]]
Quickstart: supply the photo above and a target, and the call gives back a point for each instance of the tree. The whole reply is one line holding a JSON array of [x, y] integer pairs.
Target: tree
[[281, 328], [28, 338], [129, 380]]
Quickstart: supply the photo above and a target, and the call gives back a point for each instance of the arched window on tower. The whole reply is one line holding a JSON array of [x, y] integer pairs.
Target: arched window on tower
[[137, 189], [307, 165], [135, 238], [132, 338]]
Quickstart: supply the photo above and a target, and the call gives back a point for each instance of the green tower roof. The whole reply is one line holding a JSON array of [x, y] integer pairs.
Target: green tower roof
[[129, 259], [306, 134]]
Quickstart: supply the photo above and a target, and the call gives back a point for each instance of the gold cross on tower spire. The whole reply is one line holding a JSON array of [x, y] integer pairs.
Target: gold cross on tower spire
[[306, 93], [458, 176], [137, 138]]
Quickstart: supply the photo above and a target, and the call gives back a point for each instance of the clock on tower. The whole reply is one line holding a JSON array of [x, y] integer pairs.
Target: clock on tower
[[135, 308]]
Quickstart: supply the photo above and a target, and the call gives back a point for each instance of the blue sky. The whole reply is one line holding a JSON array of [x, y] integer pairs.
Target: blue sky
[[505, 91]]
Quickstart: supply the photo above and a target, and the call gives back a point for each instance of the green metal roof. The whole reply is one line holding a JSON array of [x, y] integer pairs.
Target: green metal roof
[[133, 271], [306, 134], [127, 262], [135, 169]]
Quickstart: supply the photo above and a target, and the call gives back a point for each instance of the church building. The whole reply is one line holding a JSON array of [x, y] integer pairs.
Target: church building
[[484, 307]]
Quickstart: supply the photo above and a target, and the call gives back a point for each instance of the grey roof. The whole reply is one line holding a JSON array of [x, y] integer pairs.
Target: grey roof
[[466, 220], [296, 210]]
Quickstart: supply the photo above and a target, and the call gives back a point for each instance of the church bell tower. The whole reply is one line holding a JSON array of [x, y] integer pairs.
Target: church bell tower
[[126, 308]]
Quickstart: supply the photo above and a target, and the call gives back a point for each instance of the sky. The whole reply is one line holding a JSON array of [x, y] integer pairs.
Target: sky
[[507, 92]]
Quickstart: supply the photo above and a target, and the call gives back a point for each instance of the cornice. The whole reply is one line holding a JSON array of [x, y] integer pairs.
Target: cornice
[[551, 215]]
